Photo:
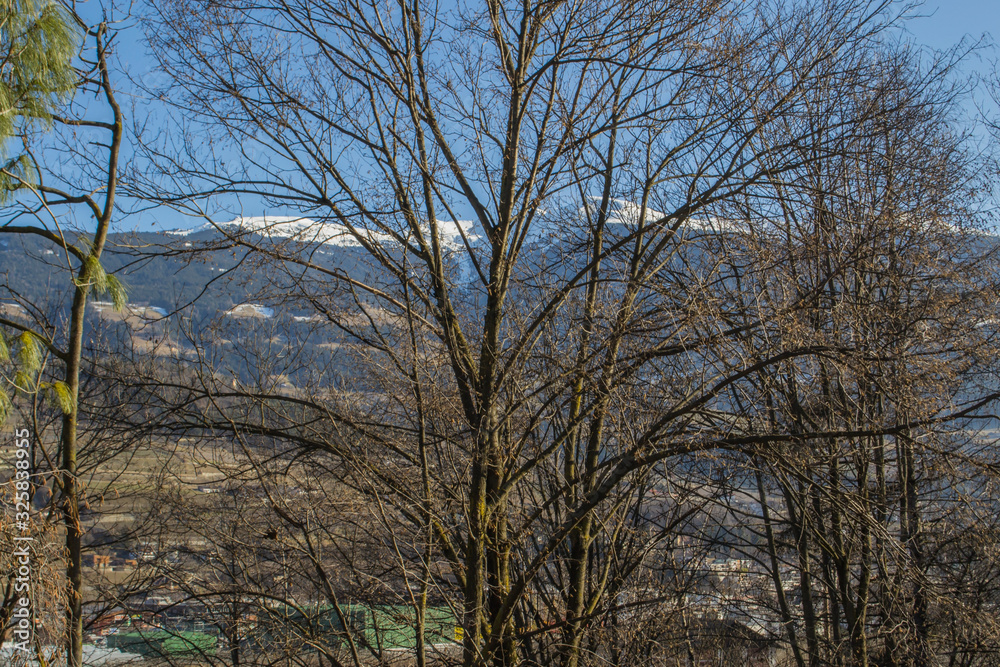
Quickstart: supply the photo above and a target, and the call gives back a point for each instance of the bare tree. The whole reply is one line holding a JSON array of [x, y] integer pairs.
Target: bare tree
[[505, 391], [877, 251]]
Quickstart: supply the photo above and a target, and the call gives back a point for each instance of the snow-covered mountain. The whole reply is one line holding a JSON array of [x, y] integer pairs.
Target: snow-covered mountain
[[307, 230], [623, 219], [546, 228]]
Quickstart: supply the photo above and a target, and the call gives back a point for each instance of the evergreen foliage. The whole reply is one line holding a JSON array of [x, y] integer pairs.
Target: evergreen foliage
[[37, 44], [38, 41]]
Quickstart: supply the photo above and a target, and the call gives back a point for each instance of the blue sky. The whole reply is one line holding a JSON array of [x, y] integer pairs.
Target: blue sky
[[937, 24], [944, 24]]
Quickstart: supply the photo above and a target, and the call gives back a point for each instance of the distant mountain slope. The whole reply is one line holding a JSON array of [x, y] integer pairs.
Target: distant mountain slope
[[201, 267]]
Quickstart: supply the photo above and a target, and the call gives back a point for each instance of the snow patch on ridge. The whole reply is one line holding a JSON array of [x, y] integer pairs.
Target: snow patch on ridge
[[302, 230], [307, 230], [182, 232], [450, 233], [624, 212], [545, 229]]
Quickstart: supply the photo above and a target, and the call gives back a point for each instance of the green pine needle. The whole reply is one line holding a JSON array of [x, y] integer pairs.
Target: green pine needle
[[29, 354], [104, 283], [23, 381], [61, 395], [5, 406], [118, 293]]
